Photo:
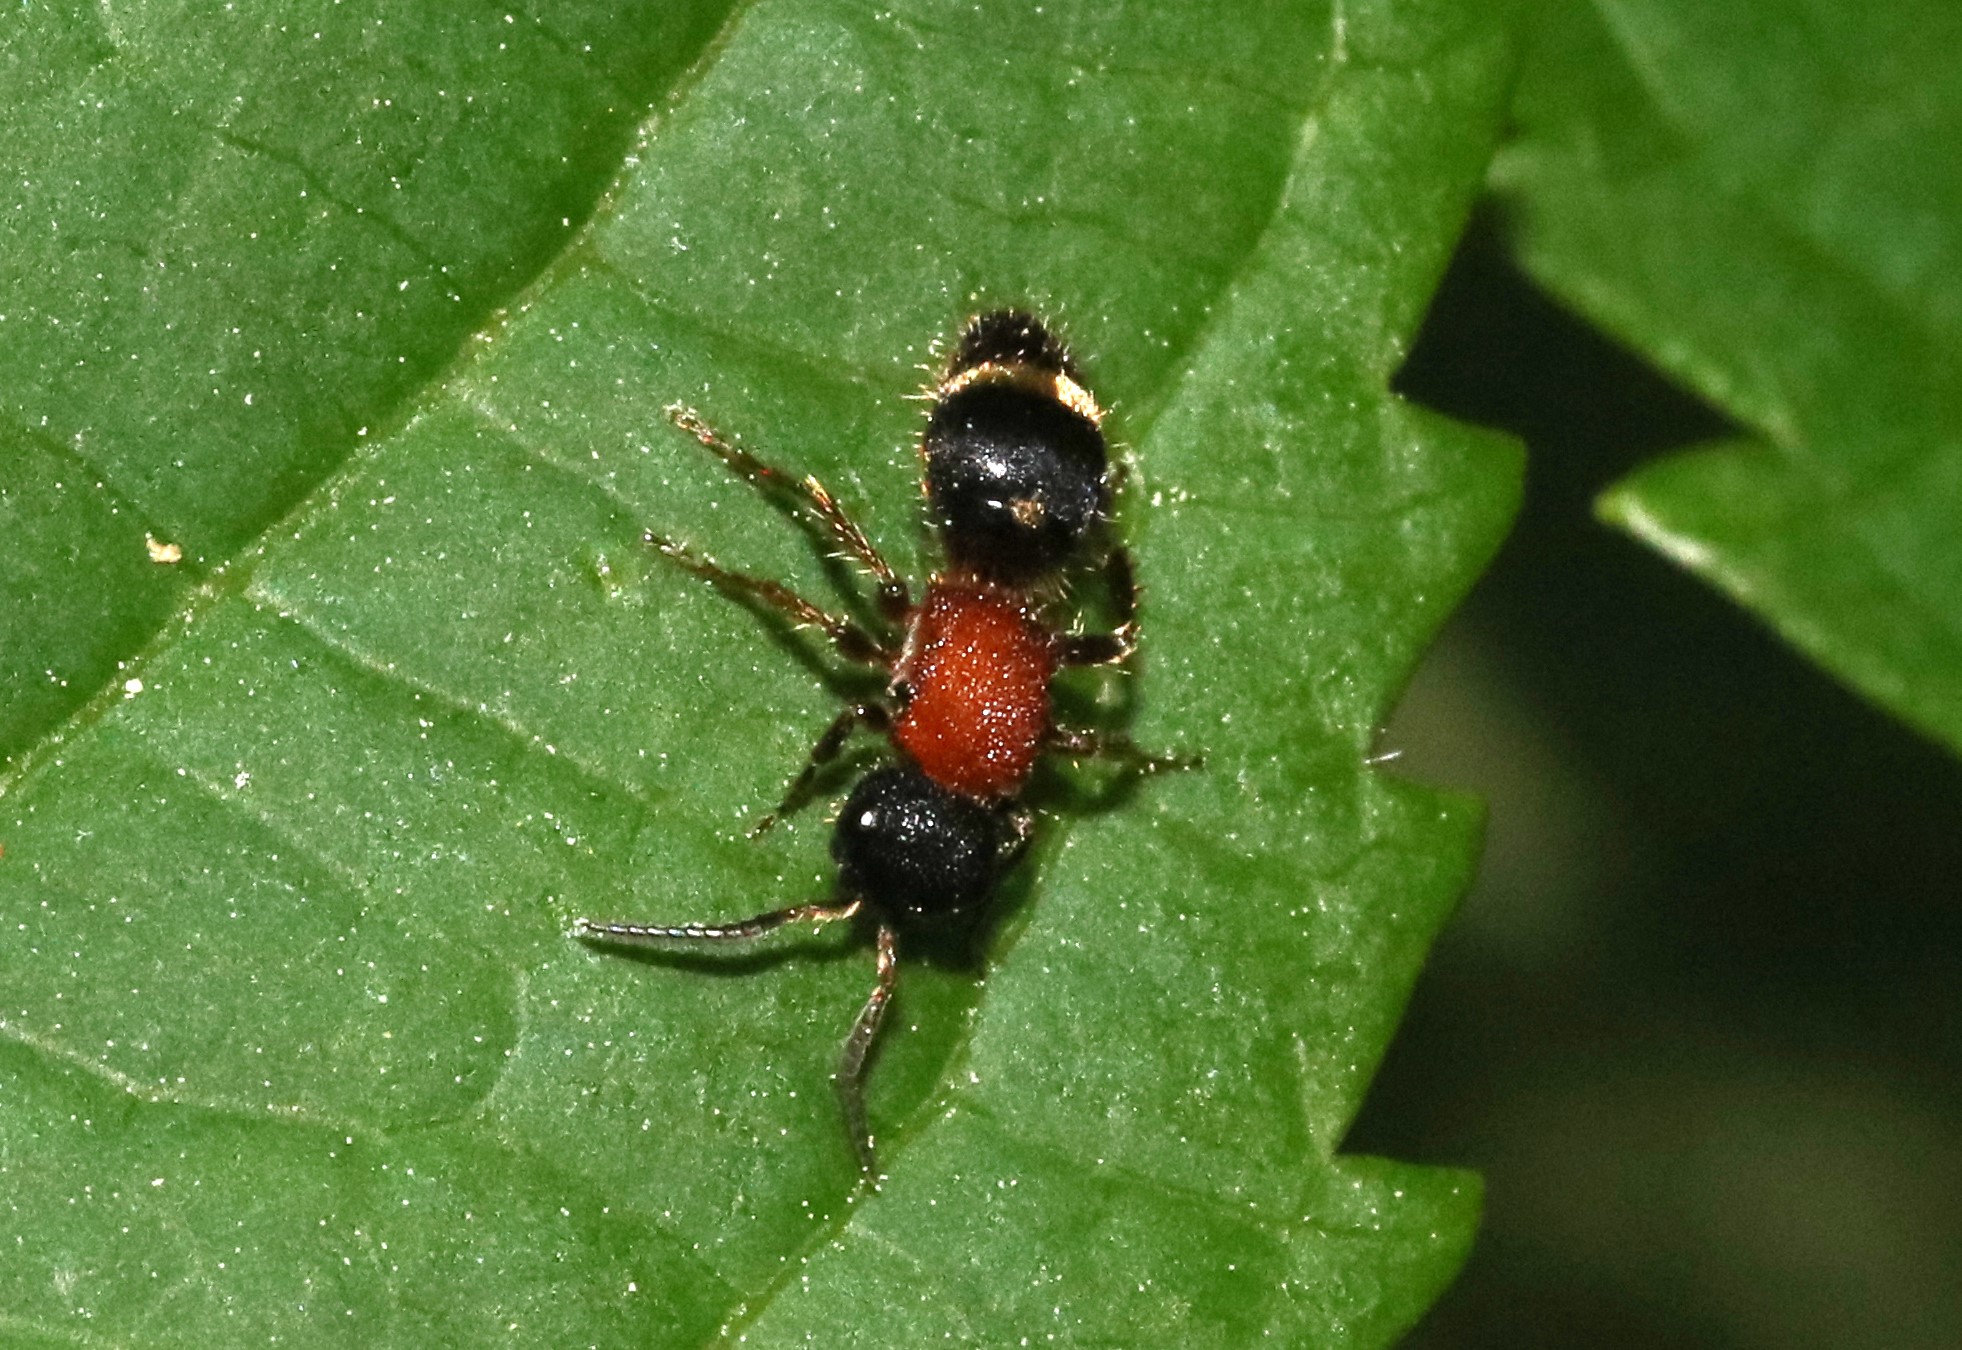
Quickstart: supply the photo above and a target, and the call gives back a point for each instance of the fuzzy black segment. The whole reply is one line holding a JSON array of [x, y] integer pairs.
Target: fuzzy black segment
[[1015, 479], [910, 848], [1010, 337]]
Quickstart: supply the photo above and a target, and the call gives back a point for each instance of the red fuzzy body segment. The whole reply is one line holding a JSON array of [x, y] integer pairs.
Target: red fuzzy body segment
[[975, 678]]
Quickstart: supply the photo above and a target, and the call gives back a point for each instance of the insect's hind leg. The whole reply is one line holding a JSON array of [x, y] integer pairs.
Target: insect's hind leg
[[740, 930], [858, 1048]]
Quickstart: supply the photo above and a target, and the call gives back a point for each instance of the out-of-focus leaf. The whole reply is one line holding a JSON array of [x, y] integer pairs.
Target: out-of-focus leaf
[[1764, 197], [297, 1044]]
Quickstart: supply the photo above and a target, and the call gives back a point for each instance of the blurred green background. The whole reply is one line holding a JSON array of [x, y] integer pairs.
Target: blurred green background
[[1700, 1022]]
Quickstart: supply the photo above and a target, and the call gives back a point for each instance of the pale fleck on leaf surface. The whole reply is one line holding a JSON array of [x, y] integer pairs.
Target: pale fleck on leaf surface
[[1764, 198], [296, 1043], [237, 238]]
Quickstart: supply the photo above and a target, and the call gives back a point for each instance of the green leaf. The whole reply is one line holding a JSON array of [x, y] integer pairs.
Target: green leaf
[[239, 236], [296, 1042], [1765, 199]]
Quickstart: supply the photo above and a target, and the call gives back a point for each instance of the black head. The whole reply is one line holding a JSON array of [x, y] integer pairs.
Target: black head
[[1015, 458], [911, 849], [1009, 337]]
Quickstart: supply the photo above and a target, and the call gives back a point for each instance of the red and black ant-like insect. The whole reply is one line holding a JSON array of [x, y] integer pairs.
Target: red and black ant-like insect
[[1018, 485]]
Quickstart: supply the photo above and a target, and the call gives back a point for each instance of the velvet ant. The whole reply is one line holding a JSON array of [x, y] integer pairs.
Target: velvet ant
[[1018, 484]]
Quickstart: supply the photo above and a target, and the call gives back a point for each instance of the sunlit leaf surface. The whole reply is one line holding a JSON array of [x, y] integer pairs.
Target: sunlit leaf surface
[[296, 1044], [236, 237]]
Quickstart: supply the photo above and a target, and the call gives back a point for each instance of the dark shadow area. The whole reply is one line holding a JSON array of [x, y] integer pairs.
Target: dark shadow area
[[1700, 1022]]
